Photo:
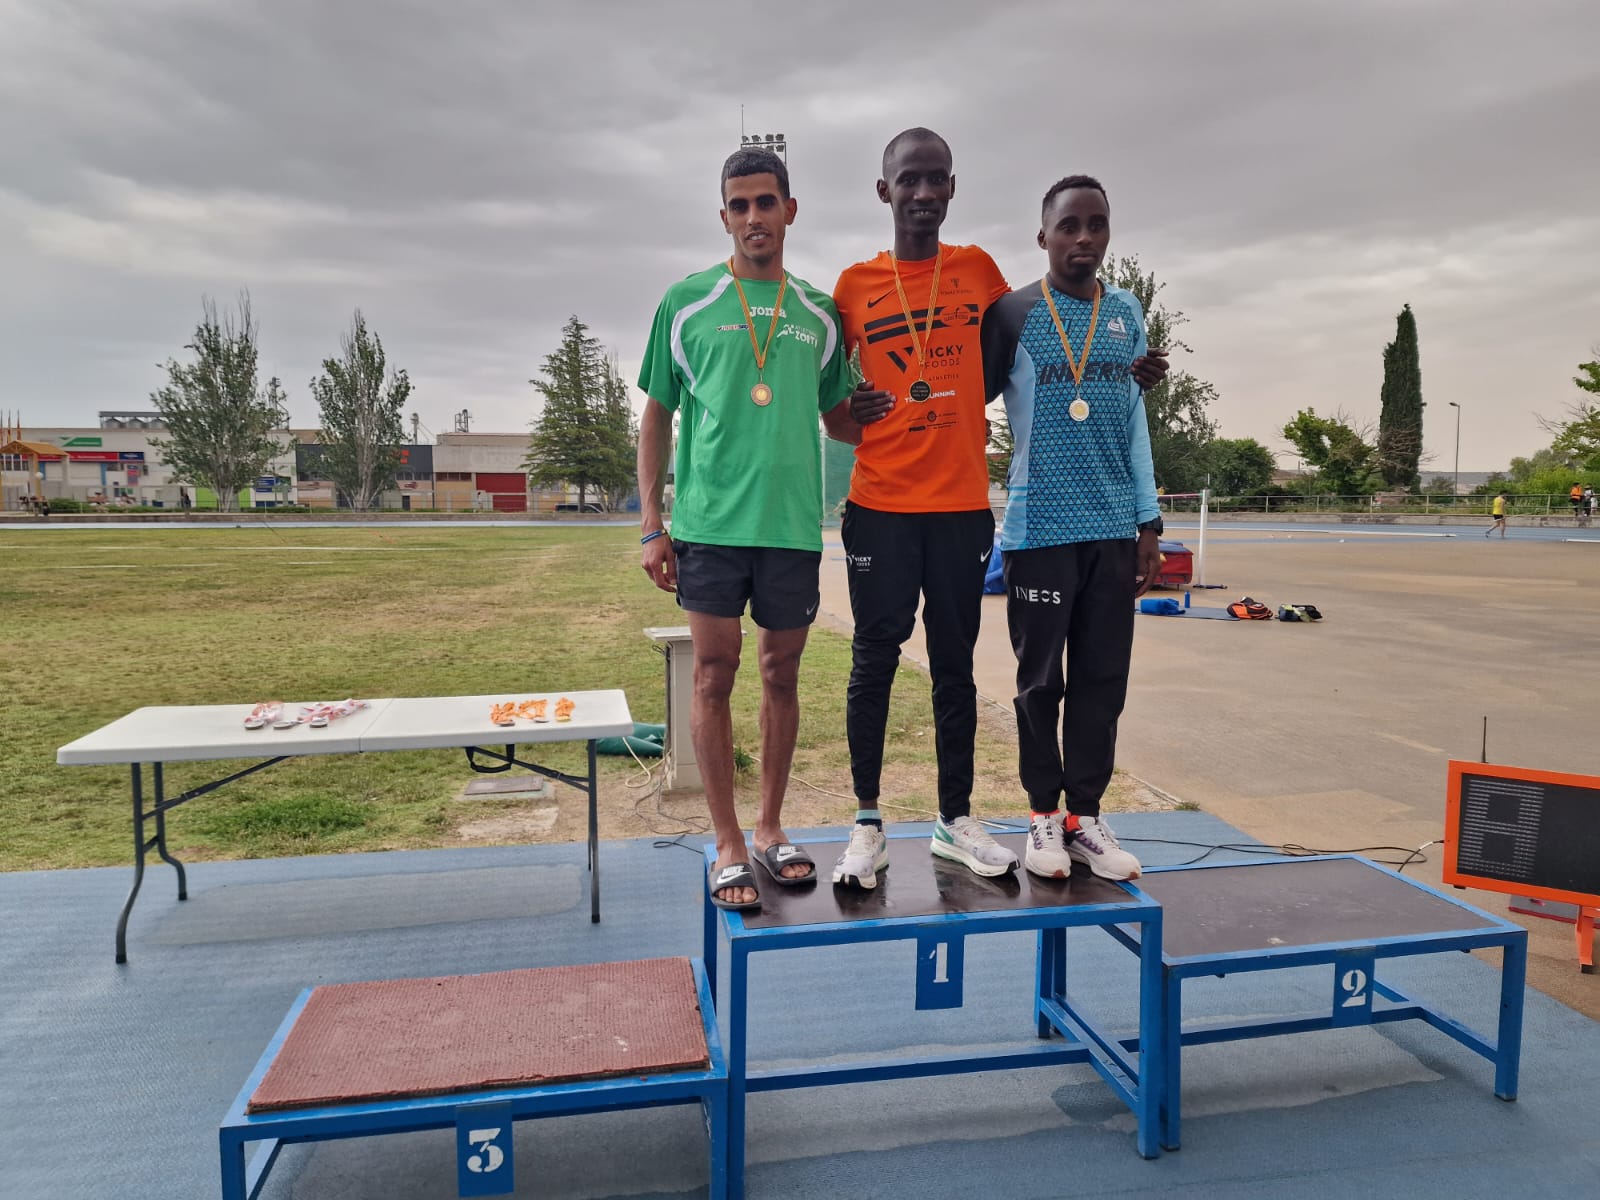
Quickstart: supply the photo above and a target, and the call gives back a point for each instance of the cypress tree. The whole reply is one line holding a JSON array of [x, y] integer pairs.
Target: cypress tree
[[1400, 414]]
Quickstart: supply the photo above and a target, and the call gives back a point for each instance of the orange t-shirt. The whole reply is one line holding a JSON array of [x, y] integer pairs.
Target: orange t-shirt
[[924, 456]]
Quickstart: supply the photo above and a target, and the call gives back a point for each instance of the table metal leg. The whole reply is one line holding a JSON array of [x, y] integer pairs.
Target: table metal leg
[[138, 861], [594, 837], [1052, 982], [161, 833], [1508, 1042]]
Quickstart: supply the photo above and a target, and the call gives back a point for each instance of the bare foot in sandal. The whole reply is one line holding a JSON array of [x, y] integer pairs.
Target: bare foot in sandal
[[789, 863], [734, 896]]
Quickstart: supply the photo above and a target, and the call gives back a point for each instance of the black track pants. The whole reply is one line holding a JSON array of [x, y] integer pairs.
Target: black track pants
[[892, 561], [1075, 600]]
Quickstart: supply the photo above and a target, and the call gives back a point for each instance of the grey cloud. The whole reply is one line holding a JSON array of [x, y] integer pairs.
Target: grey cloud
[[471, 174]]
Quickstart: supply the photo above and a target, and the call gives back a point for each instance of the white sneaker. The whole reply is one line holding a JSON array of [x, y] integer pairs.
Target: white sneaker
[[1046, 851], [1093, 844], [863, 858], [966, 841]]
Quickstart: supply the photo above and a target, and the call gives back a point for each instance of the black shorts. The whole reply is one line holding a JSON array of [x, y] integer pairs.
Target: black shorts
[[780, 586]]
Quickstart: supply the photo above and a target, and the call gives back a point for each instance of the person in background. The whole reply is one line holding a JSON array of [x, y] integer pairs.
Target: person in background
[[1498, 509]]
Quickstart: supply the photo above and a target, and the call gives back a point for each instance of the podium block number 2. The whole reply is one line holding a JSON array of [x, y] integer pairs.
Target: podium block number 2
[[1352, 990], [483, 1150], [940, 957]]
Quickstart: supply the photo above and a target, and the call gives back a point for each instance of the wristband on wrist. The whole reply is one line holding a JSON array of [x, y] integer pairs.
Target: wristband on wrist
[[650, 537]]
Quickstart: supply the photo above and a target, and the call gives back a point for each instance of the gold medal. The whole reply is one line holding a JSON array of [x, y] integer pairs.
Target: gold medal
[[920, 390], [1078, 410], [761, 394]]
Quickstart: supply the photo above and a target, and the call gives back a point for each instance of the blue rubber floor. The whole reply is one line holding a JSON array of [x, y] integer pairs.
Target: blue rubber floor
[[113, 1079]]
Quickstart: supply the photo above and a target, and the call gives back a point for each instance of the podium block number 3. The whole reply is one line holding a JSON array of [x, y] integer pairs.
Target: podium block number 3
[[939, 967], [483, 1150]]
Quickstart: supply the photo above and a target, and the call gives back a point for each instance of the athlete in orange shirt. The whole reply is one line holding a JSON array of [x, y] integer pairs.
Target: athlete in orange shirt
[[917, 524]]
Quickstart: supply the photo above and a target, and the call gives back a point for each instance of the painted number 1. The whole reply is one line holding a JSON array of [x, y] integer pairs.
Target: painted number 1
[[940, 955]]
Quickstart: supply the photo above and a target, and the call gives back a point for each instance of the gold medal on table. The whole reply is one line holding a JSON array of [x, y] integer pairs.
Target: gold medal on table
[[1078, 410], [760, 393], [920, 389]]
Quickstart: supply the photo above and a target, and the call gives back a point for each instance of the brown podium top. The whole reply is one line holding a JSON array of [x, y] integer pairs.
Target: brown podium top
[[1209, 911], [916, 884], [398, 1038]]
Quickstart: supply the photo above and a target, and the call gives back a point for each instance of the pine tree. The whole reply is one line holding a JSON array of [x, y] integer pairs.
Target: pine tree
[[585, 435], [1400, 416]]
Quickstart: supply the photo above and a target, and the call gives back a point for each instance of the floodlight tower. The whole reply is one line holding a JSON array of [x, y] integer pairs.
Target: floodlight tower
[[775, 142]]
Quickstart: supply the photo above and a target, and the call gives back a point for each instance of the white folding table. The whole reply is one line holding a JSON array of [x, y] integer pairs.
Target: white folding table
[[201, 733]]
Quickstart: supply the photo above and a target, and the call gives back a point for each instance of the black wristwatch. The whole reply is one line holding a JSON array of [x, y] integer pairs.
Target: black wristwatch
[[1153, 525]]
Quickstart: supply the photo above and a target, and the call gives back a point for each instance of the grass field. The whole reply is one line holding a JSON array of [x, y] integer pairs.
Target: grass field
[[97, 622]]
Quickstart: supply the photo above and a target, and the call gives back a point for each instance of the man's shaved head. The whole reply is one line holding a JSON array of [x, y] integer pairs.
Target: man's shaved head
[[905, 136]]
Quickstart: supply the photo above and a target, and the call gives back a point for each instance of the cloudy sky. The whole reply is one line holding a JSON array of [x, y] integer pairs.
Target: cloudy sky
[[471, 173]]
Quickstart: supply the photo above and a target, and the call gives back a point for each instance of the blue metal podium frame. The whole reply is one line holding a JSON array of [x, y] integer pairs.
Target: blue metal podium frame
[[708, 1087], [1356, 986], [1136, 1083]]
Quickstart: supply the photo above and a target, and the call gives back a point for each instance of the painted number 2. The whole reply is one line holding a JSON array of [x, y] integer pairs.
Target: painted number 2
[[1353, 983], [483, 1139]]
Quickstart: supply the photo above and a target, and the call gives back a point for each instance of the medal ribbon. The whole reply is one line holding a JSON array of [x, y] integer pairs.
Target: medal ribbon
[[1075, 365], [750, 324], [919, 343]]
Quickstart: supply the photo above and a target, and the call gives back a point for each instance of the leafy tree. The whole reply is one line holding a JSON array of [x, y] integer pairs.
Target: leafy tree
[[1576, 446], [360, 403], [1440, 485], [1400, 419], [1342, 456], [585, 435], [219, 420], [1180, 428], [1002, 445], [1239, 466], [1524, 469]]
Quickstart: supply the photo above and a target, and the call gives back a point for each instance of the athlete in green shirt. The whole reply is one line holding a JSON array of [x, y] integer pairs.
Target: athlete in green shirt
[[747, 355]]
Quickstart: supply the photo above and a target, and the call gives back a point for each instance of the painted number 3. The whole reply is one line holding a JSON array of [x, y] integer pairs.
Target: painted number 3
[[1354, 985], [483, 1139]]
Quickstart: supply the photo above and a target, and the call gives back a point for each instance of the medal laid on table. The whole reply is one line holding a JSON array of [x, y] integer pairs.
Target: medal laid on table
[[1078, 410], [761, 392], [920, 388]]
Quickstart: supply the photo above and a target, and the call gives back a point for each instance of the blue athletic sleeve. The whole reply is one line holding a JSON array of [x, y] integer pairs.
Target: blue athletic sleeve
[[1144, 471]]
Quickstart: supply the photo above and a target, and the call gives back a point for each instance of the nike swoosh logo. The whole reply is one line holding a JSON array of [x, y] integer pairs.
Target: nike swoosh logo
[[879, 300], [984, 557], [811, 610]]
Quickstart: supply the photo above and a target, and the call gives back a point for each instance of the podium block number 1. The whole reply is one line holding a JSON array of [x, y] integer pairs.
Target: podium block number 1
[[483, 1150], [940, 957]]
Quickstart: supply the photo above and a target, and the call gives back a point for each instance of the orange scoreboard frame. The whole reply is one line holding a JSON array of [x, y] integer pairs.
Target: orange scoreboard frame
[[1535, 782]]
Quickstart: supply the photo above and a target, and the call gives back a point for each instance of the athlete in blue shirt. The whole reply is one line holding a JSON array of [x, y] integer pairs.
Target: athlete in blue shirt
[[1082, 528]]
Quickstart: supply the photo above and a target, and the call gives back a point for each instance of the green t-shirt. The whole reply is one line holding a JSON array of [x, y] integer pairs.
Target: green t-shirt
[[746, 475]]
